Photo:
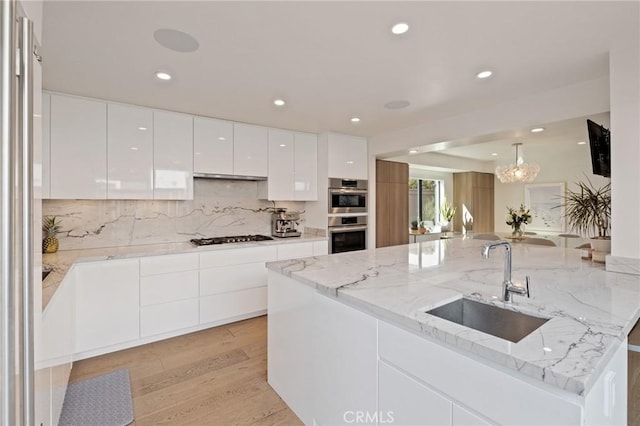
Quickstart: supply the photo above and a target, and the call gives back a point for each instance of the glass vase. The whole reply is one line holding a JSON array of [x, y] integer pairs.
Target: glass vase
[[517, 230]]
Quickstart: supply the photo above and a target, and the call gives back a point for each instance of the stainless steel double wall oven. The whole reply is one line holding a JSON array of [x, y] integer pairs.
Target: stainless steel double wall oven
[[348, 206]]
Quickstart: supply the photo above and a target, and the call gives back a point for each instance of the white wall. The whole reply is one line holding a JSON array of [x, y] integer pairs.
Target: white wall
[[577, 100], [624, 69], [567, 169]]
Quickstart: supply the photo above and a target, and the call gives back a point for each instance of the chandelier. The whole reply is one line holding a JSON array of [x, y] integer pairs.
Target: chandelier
[[518, 172]]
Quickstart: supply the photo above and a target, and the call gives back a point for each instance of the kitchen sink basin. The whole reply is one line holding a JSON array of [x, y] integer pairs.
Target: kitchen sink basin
[[498, 322]]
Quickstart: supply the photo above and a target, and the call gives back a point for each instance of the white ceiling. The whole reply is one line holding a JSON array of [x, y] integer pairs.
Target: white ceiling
[[558, 140], [329, 60]]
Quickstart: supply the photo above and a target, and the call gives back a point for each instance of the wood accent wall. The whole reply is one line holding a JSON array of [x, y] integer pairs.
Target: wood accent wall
[[392, 203], [474, 191]]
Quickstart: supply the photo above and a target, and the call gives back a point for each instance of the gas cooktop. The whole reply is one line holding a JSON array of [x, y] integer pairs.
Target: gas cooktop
[[232, 239]]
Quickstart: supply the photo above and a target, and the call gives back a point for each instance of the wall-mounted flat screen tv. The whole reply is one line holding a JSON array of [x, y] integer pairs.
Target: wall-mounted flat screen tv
[[600, 143]]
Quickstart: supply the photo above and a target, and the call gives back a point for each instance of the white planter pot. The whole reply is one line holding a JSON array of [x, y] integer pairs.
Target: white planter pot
[[601, 245]]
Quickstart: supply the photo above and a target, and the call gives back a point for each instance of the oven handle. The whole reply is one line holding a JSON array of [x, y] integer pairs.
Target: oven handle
[[347, 191], [333, 229]]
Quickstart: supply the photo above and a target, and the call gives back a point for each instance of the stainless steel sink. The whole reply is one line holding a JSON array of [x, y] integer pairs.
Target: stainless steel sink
[[499, 322]]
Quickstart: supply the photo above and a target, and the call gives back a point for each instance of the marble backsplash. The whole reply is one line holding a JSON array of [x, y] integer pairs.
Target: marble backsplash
[[219, 208]]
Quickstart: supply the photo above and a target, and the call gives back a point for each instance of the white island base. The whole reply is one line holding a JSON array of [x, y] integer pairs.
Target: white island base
[[336, 364]]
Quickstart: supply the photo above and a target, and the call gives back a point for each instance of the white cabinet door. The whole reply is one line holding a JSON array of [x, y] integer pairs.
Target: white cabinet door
[[249, 150], [46, 146], [404, 401], [158, 319], [295, 251], [344, 378], [280, 178], [461, 417], [212, 146], [165, 288], [229, 306], [172, 156], [107, 304], [320, 248], [129, 152], [347, 157], [78, 148], [305, 167], [232, 278]]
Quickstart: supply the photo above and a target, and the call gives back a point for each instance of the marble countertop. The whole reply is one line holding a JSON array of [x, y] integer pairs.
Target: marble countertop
[[61, 261], [591, 311]]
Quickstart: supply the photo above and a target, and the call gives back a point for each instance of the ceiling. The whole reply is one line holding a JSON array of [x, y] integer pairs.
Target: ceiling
[[558, 141], [329, 60]]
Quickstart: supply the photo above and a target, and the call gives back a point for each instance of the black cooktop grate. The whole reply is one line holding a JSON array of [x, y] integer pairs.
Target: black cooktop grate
[[230, 239]]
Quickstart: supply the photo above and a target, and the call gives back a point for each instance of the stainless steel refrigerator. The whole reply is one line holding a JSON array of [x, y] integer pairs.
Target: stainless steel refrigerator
[[17, 216]]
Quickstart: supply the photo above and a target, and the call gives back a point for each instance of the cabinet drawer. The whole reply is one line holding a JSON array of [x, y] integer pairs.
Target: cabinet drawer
[[232, 278], [168, 317], [155, 289], [295, 251], [410, 402], [228, 305], [155, 265], [237, 256], [444, 369], [320, 248]]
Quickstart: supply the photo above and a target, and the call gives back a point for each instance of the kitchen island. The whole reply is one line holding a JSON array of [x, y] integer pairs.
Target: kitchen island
[[349, 336]]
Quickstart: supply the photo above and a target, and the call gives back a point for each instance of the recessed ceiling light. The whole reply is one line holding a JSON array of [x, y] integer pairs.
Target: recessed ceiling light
[[494, 154], [142, 128], [413, 151], [282, 145], [484, 74], [355, 119], [582, 143], [279, 102], [537, 130], [400, 28], [176, 40], [134, 148], [163, 75], [221, 138], [349, 162], [397, 104]]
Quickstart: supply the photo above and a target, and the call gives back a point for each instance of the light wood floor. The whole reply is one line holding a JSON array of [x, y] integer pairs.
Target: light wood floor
[[212, 377]]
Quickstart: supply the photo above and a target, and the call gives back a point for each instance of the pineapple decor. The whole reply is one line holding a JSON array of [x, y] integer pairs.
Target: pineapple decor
[[50, 228]]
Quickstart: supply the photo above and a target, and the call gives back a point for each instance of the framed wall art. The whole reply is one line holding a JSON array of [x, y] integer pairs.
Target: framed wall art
[[547, 209]]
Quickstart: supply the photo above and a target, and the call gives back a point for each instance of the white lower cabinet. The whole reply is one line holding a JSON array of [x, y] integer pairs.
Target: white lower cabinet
[[405, 401], [167, 317], [462, 417], [230, 306], [107, 304], [295, 251], [345, 371]]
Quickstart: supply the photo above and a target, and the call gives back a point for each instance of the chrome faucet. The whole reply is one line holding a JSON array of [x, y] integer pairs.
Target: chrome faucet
[[507, 286]]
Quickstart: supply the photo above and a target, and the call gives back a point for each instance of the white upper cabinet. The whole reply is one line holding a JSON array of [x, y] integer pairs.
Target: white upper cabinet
[[212, 146], [305, 167], [281, 156], [293, 167], [129, 152], [78, 148], [172, 156], [250, 150], [46, 145], [347, 157]]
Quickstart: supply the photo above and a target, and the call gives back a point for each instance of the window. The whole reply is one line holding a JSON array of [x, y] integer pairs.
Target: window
[[424, 199]]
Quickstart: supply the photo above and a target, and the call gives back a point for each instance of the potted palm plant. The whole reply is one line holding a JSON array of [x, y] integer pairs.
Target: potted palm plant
[[588, 211], [447, 211]]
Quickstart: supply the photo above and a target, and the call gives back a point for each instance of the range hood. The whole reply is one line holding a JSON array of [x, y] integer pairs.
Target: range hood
[[228, 177]]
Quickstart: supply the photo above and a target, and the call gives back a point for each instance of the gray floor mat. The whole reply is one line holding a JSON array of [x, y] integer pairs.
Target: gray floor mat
[[100, 401]]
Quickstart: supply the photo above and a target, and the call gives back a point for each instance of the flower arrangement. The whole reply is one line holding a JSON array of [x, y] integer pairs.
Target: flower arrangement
[[517, 218]]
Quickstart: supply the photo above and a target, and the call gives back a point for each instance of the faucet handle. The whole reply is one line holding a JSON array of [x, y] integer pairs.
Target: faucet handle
[[527, 280]]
